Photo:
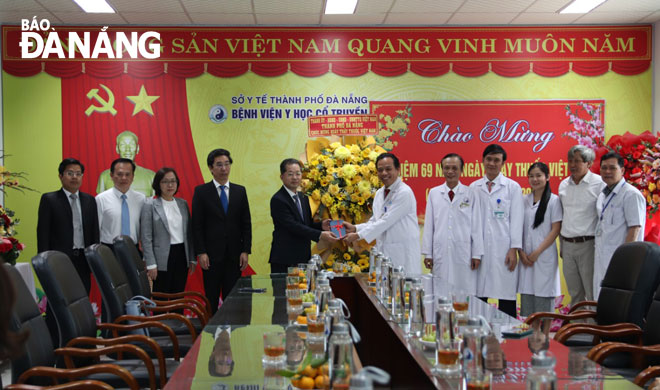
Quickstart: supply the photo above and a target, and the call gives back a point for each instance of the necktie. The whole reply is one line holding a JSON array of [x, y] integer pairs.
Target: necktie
[[387, 192], [125, 217], [223, 198], [78, 237], [297, 200], [451, 195], [607, 191], [490, 185]]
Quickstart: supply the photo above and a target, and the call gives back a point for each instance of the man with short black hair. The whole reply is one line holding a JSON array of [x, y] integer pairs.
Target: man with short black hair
[[119, 208], [393, 224], [294, 227], [222, 228], [68, 220], [501, 203], [621, 211]]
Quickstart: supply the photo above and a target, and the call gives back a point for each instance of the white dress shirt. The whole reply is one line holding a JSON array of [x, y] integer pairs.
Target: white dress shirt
[[579, 205], [174, 221], [217, 187], [108, 204]]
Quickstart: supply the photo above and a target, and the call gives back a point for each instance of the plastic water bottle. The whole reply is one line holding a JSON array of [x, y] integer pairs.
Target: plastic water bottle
[[473, 334], [323, 294], [542, 374], [397, 291], [416, 314], [341, 363], [385, 276]]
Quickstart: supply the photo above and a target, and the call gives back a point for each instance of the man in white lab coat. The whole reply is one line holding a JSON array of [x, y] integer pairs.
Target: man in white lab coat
[[621, 212], [501, 204], [394, 221], [452, 243]]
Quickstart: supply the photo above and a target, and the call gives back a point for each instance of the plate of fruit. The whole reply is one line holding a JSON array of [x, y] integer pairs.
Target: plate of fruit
[[428, 340]]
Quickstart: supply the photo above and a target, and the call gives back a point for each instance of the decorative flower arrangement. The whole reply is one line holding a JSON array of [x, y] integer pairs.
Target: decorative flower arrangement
[[590, 131], [390, 125], [342, 181], [10, 247]]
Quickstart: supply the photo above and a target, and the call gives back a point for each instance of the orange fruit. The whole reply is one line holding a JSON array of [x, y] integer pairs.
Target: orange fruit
[[301, 274], [322, 382], [309, 371], [306, 383], [302, 286], [324, 369], [295, 382], [302, 320]]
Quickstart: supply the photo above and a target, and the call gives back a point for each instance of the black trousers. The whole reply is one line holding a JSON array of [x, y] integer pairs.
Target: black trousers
[[82, 268], [174, 279], [506, 305], [276, 268], [220, 278]]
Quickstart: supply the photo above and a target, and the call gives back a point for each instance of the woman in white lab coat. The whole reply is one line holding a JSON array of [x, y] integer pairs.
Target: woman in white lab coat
[[538, 278]]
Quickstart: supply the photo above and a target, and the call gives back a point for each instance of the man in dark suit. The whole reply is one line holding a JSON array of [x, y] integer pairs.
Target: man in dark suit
[[292, 219], [222, 229], [68, 221]]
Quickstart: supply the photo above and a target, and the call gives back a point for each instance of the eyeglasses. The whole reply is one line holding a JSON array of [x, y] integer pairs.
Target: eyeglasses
[[293, 174], [168, 182], [223, 165], [73, 173]]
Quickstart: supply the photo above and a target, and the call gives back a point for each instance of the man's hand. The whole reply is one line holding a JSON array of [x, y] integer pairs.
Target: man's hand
[[325, 224], [511, 259], [204, 261], [428, 263], [351, 237], [244, 260], [350, 228], [328, 237], [152, 273], [475, 263]]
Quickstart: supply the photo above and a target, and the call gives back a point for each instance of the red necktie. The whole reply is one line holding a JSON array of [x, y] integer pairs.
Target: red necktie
[[451, 195], [387, 192]]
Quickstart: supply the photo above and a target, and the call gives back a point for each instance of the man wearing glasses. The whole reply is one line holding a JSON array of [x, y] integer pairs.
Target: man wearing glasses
[[67, 219], [292, 219], [222, 228]]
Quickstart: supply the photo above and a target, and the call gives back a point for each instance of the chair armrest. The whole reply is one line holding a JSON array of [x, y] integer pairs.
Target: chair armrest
[[565, 317], [582, 304], [605, 328], [614, 347], [179, 306], [87, 384], [143, 323], [81, 372], [587, 329], [125, 340], [68, 352], [188, 302], [178, 317], [644, 376], [195, 294]]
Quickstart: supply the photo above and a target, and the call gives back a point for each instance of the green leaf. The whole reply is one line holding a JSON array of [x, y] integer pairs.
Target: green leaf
[[316, 363], [285, 373]]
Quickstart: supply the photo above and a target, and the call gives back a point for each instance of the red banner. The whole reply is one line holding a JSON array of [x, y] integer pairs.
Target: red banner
[[347, 51], [421, 133], [341, 125]]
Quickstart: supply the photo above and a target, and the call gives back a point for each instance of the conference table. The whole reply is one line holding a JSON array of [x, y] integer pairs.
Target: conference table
[[257, 304]]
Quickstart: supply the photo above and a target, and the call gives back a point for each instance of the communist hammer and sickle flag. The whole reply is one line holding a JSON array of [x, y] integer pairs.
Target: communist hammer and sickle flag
[[105, 105]]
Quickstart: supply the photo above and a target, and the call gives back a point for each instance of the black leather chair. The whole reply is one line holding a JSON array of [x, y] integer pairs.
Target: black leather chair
[[626, 294], [136, 273], [115, 291], [36, 366]]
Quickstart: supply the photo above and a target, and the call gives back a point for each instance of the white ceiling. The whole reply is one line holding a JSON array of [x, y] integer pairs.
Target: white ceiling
[[310, 12]]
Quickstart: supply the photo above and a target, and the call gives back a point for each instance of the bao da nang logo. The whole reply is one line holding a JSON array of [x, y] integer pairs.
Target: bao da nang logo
[[39, 40]]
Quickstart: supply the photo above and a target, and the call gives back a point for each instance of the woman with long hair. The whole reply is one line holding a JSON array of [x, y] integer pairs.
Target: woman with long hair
[[538, 279]]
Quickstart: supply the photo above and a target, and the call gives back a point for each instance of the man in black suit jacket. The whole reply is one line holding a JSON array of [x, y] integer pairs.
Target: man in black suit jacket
[[68, 221], [292, 219], [222, 229]]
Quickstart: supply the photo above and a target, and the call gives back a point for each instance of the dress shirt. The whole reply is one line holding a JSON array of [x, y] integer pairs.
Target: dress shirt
[[109, 210], [579, 204], [76, 204], [217, 187], [174, 221]]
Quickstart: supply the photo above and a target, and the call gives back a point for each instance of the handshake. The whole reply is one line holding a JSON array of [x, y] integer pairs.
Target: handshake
[[338, 230]]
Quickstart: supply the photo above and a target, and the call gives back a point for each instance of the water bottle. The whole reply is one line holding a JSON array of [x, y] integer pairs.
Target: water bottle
[[473, 334], [372, 266], [337, 312], [340, 362], [444, 323], [416, 314], [385, 276], [397, 291], [377, 265], [312, 272], [542, 374], [323, 295], [364, 379]]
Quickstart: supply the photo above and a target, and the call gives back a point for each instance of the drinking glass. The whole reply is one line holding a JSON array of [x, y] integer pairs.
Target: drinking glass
[[478, 380], [447, 356], [274, 347]]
